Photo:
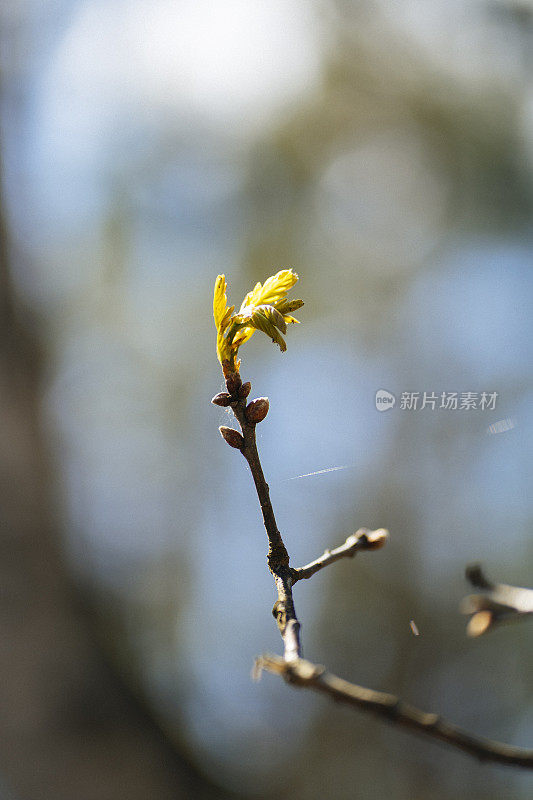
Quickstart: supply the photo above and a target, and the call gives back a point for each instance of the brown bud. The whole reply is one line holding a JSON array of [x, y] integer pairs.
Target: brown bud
[[221, 399], [233, 382], [232, 437], [257, 410], [479, 623], [375, 540], [245, 389]]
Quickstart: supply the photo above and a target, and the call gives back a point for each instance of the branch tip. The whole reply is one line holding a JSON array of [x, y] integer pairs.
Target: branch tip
[[377, 539]]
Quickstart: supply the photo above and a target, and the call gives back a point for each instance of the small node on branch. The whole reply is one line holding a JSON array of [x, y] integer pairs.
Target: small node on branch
[[232, 437], [257, 410], [221, 399]]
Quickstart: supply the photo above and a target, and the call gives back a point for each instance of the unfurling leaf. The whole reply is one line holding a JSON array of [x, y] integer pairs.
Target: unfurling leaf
[[266, 308]]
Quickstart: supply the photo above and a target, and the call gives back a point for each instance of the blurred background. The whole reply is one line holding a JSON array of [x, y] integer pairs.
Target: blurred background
[[385, 152]]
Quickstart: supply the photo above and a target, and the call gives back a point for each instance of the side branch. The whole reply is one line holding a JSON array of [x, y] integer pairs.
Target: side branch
[[501, 603], [363, 539], [307, 675]]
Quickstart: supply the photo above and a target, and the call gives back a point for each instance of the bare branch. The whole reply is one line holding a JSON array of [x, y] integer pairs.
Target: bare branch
[[278, 557], [312, 676], [502, 603], [363, 539]]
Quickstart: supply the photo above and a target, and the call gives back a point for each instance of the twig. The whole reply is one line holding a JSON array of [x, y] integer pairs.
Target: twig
[[363, 539], [502, 603], [303, 673], [278, 557]]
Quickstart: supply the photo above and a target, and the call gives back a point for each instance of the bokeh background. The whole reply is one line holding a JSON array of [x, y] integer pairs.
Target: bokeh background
[[385, 152]]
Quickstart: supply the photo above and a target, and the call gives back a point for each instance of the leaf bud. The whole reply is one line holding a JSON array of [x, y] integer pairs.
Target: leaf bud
[[232, 437], [221, 399], [257, 410], [245, 389], [233, 382]]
